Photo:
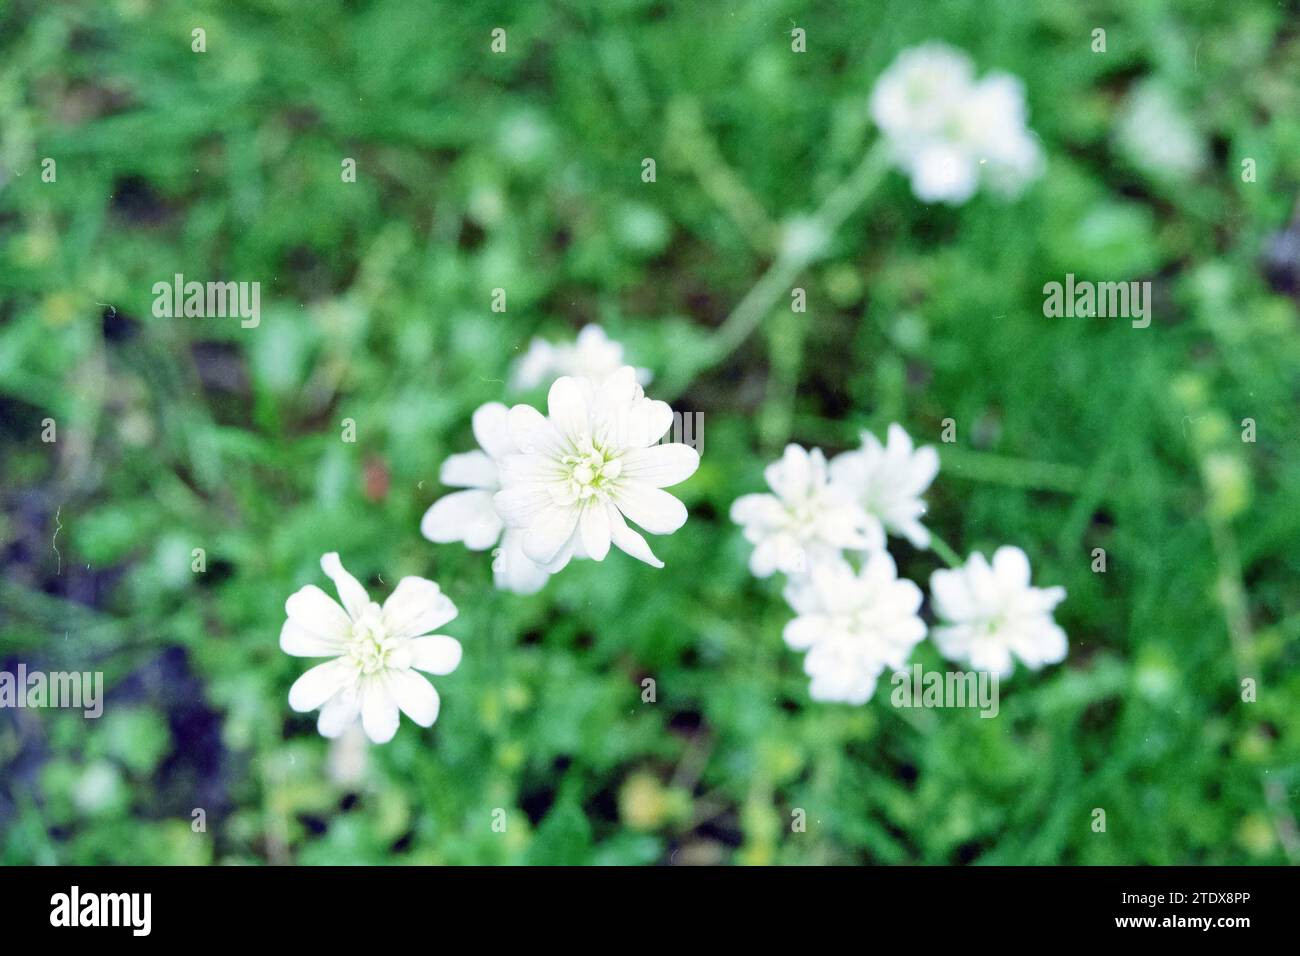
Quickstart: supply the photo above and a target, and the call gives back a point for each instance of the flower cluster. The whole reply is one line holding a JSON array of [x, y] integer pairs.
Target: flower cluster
[[543, 489], [823, 518], [950, 131]]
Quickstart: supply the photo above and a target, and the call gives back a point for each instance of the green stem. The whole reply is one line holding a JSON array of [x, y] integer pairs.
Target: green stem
[[946, 553], [797, 253]]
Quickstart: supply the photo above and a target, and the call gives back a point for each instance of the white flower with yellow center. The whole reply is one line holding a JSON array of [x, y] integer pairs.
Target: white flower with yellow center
[[888, 481], [806, 520], [471, 516], [991, 613], [590, 464], [376, 652], [593, 355], [853, 625]]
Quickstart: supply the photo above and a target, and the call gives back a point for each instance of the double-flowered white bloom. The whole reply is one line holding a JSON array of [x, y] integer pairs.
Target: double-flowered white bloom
[[376, 652], [853, 625], [471, 516], [593, 356], [888, 481], [806, 520], [992, 613], [949, 131], [588, 465]]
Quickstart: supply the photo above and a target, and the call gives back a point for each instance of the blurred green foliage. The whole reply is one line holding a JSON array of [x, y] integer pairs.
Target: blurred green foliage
[[521, 171]]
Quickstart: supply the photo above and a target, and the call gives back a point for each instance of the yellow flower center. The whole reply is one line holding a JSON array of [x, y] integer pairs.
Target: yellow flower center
[[590, 471], [370, 646]]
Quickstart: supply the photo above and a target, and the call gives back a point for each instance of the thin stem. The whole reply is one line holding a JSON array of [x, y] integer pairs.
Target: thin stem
[[803, 242], [946, 553]]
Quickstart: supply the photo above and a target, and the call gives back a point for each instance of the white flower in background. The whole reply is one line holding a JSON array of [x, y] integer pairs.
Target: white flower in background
[[950, 132], [806, 520], [990, 613], [470, 516], [913, 99], [594, 355], [888, 481], [376, 652], [589, 465], [1156, 134], [853, 625]]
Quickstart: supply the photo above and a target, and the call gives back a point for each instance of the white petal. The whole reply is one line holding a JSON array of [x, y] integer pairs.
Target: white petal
[[661, 465], [379, 715], [416, 606], [803, 632], [992, 656], [568, 410], [619, 387], [1011, 567], [757, 509], [521, 505], [351, 592], [769, 557], [594, 529], [338, 713], [655, 510], [951, 596], [568, 551], [916, 533], [437, 654], [1049, 646], [790, 476], [511, 568], [532, 368], [315, 611], [922, 469], [628, 541], [300, 642], [320, 684], [471, 469], [414, 695], [491, 424], [531, 432], [549, 532], [644, 423], [468, 516]]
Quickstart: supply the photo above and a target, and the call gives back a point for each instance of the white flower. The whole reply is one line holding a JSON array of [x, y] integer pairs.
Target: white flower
[[950, 132], [375, 652], [590, 464], [1157, 135], [912, 100], [807, 521], [853, 625], [470, 516], [888, 481], [992, 613], [594, 355]]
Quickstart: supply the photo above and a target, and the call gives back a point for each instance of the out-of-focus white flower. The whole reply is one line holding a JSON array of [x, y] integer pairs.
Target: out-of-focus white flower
[[349, 757], [471, 516], [888, 481], [376, 652], [589, 465], [992, 613], [950, 132], [1156, 134], [806, 520], [853, 625], [593, 355]]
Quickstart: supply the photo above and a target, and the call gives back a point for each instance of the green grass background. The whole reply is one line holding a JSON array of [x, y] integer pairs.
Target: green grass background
[[522, 171]]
